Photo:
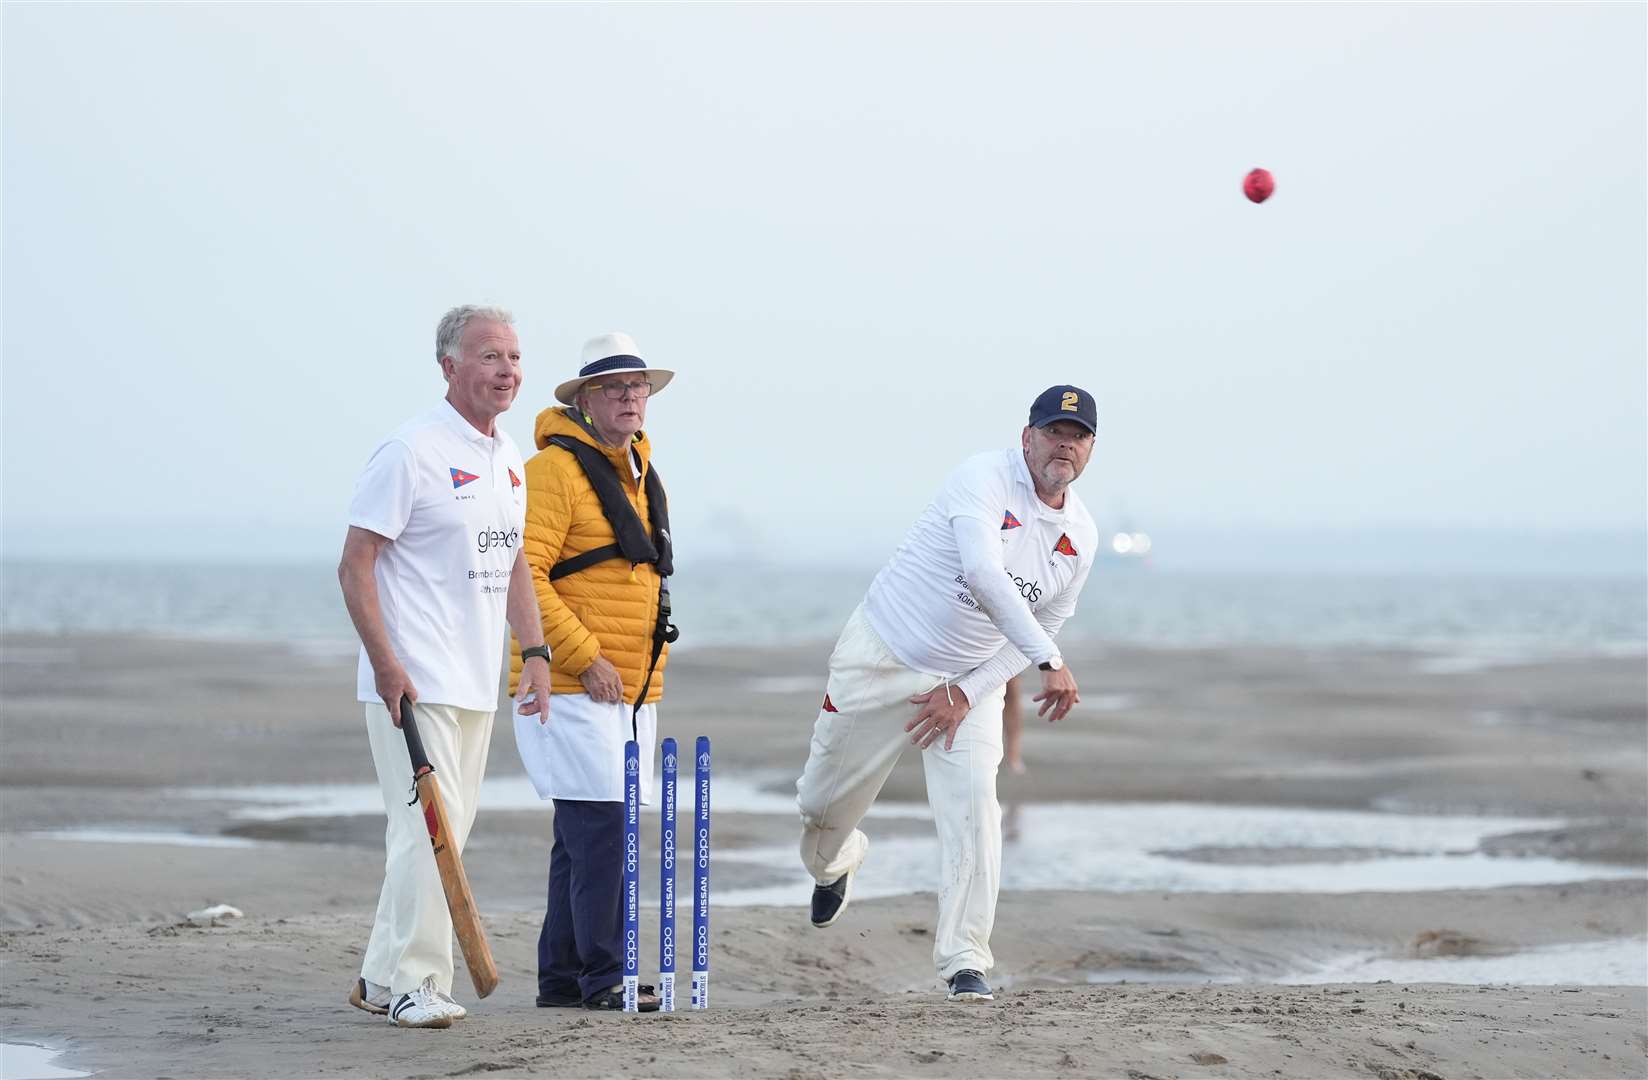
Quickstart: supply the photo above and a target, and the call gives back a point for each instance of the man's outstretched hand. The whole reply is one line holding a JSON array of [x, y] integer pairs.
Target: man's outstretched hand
[[1058, 693]]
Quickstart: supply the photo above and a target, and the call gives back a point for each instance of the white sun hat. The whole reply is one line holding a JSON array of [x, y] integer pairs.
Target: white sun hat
[[615, 351]]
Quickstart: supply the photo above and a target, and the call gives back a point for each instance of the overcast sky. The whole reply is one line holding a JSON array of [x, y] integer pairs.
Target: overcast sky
[[865, 237]]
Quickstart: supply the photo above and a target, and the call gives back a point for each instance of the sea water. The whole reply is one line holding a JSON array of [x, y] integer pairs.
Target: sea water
[[1467, 621]]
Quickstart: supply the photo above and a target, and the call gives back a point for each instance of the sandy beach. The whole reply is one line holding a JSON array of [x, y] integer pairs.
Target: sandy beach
[[132, 769]]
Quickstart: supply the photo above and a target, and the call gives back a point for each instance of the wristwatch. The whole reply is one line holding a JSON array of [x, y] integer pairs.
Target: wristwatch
[[1055, 664], [535, 650]]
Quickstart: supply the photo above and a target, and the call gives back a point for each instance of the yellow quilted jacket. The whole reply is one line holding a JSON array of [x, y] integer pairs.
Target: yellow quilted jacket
[[608, 609]]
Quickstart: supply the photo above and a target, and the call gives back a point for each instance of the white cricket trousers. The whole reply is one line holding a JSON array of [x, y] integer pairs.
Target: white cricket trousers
[[412, 932], [854, 749]]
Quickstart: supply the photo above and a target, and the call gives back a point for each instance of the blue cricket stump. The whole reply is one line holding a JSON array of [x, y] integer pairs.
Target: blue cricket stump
[[632, 874], [666, 884], [701, 879]]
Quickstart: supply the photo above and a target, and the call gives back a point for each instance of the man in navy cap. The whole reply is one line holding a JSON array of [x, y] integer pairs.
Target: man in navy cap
[[974, 595]]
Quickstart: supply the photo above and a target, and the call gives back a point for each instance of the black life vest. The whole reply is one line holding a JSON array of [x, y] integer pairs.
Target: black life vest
[[636, 543]]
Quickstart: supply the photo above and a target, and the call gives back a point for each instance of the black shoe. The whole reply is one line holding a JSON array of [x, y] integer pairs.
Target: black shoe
[[612, 999], [572, 1002], [829, 901], [969, 985]]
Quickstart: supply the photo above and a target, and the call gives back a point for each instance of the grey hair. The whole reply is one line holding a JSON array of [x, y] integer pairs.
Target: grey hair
[[449, 334]]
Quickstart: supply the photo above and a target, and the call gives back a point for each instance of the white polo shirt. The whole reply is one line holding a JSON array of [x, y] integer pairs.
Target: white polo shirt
[[451, 501], [921, 603]]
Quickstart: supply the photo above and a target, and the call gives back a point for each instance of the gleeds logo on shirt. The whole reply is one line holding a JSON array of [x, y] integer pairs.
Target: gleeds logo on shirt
[[489, 539], [1030, 590]]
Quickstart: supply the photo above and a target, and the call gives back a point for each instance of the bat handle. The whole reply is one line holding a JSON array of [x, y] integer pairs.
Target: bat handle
[[414, 742]]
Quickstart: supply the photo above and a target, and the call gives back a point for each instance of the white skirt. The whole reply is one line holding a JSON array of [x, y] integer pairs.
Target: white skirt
[[579, 754]]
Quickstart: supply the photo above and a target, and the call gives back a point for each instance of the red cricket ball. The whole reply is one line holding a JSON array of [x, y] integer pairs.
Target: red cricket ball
[[1258, 185]]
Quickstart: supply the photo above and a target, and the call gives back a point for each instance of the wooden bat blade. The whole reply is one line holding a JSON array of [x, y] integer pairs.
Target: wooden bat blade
[[466, 920]]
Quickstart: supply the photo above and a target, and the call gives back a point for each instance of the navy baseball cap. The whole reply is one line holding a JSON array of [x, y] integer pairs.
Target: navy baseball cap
[[1065, 403]]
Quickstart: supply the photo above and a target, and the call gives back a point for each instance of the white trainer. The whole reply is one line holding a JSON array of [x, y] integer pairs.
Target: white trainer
[[453, 1009], [422, 1008]]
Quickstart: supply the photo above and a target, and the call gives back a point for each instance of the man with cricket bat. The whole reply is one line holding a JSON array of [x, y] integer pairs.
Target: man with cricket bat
[[431, 568]]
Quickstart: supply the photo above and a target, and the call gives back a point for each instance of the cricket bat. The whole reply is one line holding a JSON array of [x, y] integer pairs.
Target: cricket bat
[[460, 902]]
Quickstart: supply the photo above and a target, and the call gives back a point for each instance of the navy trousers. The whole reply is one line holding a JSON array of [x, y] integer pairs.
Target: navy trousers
[[580, 951]]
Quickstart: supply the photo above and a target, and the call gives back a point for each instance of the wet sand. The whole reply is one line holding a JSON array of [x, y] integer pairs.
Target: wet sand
[[95, 954]]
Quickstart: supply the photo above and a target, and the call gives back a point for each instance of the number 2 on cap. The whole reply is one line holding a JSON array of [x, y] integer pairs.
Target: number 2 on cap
[[1069, 402]]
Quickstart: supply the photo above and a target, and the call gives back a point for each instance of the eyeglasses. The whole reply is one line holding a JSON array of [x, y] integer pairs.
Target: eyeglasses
[[615, 391]]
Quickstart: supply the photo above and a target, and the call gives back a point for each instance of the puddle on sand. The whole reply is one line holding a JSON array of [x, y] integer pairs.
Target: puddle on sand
[[27, 1061], [814, 682], [143, 836], [785, 684], [1111, 702], [1622, 962], [899, 866], [1123, 847], [744, 794], [1134, 847]]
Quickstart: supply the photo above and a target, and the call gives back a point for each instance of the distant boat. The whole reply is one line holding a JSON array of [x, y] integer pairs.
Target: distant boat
[[1126, 543], [1129, 544]]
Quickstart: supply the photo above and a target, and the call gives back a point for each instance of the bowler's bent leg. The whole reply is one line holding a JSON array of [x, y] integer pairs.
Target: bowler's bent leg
[[857, 739]]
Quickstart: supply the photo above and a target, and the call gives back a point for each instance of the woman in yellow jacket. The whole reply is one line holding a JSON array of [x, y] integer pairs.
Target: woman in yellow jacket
[[601, 615]]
